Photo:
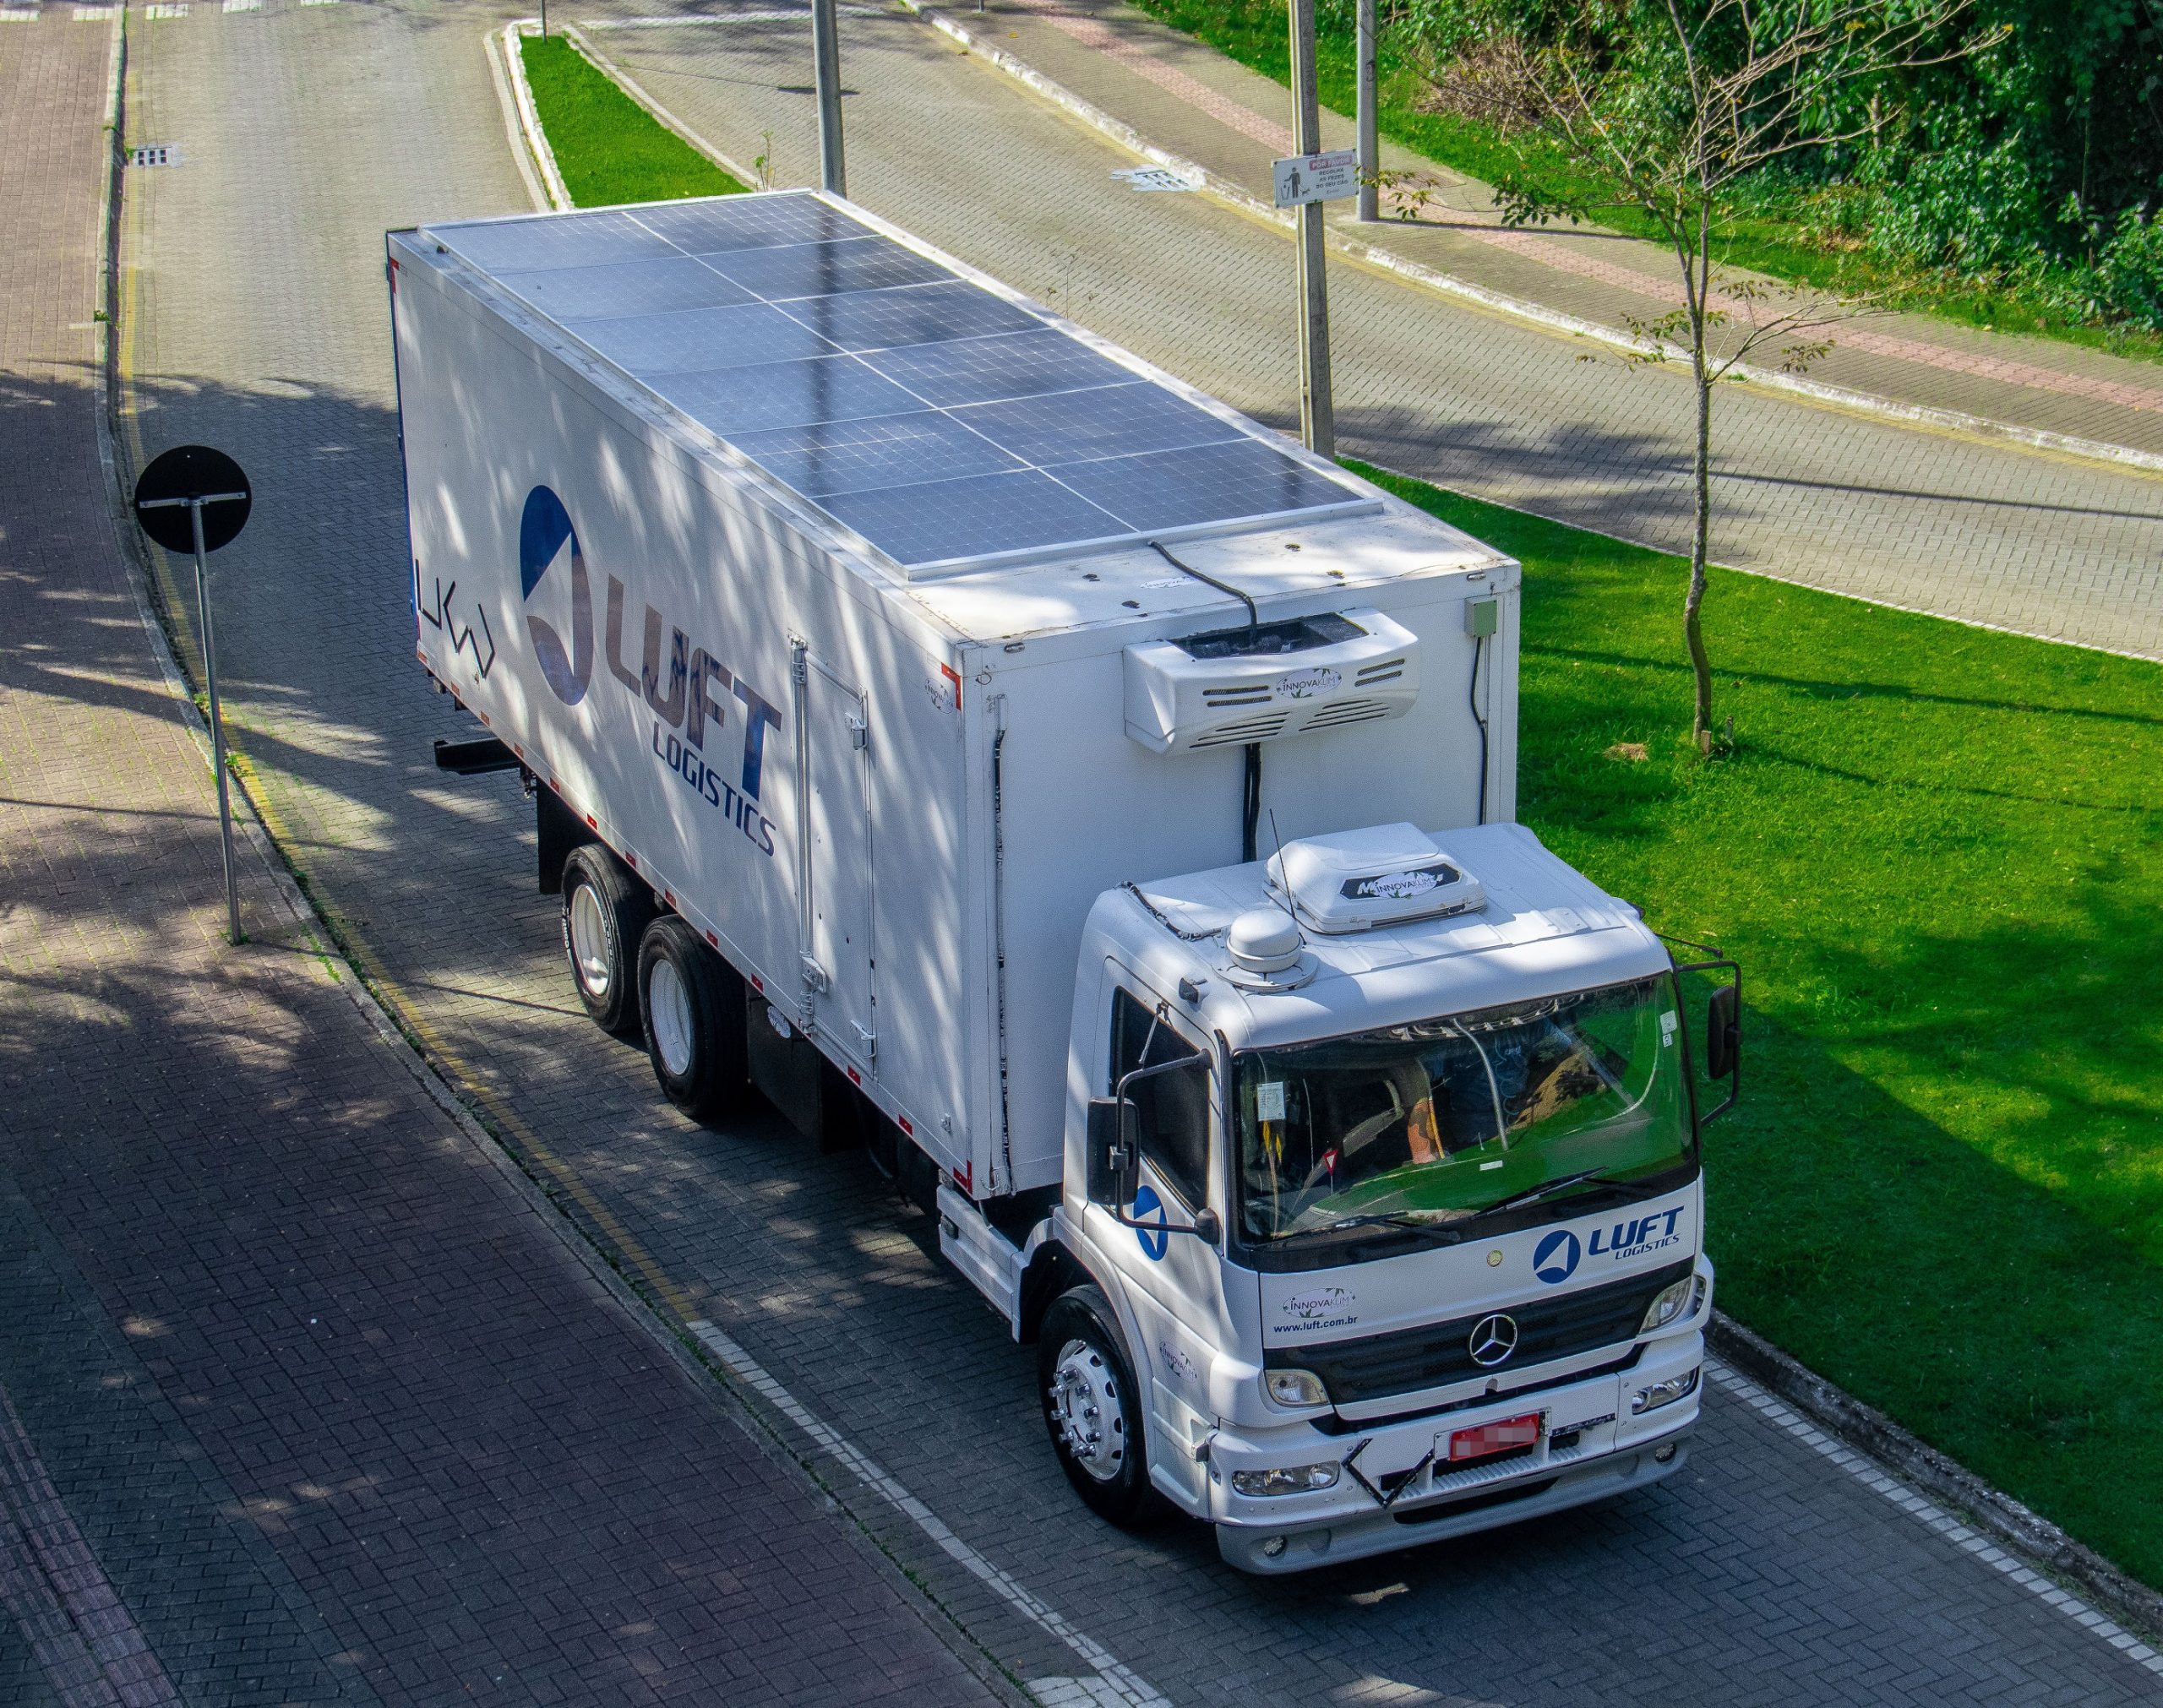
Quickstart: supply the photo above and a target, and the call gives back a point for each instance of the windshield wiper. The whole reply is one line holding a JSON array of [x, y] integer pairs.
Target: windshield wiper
[[1443, 1232], [1533, 1195]]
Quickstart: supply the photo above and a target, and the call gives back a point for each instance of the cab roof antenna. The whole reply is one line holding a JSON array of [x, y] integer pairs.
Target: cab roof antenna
[[1291, 900]]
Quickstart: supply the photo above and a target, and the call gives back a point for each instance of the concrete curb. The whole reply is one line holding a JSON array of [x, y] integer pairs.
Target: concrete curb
[[1517, 308], [529, 120], [510, 84], [1870, 1432]]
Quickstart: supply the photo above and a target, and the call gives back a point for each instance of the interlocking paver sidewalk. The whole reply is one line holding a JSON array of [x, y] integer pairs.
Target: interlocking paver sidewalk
[[1187, 98], [303, 1398]]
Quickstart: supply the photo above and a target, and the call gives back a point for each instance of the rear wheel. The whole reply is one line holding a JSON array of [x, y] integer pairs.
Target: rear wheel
[[694, 1007], [1093, 1407], [605, 912]]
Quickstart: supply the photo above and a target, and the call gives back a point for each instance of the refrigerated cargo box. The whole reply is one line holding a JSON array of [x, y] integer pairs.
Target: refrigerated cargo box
[[882, 619]]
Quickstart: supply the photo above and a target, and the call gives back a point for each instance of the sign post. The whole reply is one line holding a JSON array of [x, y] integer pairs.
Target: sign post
[[1370, 152], [194, 479], [1317, 415]]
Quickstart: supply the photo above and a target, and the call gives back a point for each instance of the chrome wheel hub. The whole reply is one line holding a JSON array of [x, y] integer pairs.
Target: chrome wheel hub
[[590, 942], [1085, 1411], [669, 1006]]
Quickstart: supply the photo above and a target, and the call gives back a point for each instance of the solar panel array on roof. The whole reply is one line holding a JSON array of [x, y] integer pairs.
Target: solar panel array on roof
[[941, 421]]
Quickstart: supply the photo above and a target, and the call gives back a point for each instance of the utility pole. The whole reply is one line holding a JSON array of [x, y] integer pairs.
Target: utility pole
[[826, 73], [1369, 144], [1317, 417]]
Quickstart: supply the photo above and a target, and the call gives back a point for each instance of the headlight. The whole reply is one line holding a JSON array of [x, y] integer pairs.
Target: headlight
[[1296, 1388], [1297, 1479], [1670, 1303], [1663, 1394]]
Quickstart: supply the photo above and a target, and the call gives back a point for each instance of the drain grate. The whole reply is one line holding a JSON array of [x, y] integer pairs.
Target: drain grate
[[1152, 178], [153, 154]]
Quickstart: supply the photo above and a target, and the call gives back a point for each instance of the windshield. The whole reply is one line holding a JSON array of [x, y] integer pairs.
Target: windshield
[[1435, 1122]]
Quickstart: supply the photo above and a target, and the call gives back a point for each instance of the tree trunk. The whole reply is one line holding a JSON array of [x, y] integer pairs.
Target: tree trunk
[[1701, 372], [1694, 634]]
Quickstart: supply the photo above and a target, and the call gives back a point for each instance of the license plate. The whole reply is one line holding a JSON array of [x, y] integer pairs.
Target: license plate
[[1485, 1440]]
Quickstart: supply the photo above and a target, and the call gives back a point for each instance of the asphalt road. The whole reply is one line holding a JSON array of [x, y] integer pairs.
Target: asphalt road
[[1764, 1573]]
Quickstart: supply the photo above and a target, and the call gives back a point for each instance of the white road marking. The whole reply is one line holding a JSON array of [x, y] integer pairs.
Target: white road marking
[[1938, 1519], [759, 15], [1075, 1693], [166, 8], [96, 15], [1115, 1681]]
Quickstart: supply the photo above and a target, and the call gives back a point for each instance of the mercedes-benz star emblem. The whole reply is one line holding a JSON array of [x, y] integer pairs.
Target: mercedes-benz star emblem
[[1493, 1340]]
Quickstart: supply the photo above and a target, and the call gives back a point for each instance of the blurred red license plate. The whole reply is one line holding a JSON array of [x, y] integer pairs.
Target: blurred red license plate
[[1485, 1440]]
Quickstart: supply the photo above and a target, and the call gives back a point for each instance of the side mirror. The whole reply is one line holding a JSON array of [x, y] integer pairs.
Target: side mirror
[[1722, 1033], [1207, 1226]]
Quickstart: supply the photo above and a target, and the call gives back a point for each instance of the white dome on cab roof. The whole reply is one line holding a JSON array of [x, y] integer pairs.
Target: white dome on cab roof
[[1356, 880]]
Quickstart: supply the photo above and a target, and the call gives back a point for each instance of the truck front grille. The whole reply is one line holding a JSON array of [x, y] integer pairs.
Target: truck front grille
[[1435, 1354]]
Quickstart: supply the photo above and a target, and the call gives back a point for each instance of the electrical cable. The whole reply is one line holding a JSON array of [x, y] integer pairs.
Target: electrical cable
[[1251, 806], [1250, 788], [1254, 616], [1479, 648]]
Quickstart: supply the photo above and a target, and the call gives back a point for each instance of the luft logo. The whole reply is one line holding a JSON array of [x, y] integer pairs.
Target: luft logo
[[1554, 1258], [685, 687], [543, 531], [1653, 1232]]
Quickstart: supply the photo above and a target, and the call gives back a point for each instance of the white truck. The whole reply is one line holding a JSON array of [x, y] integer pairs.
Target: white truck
[[994, 751]]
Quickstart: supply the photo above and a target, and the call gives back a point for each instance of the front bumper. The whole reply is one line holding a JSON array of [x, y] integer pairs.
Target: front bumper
[[1612, 1453]]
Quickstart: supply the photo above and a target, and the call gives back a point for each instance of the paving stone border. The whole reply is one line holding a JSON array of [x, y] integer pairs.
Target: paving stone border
[[1914, 1462]]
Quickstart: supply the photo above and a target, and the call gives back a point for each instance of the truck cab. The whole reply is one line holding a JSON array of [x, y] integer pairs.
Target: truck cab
[[1382, 1167]]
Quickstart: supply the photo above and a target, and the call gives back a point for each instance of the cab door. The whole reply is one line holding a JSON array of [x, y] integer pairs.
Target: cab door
[[834, 760], [1174, 1281]]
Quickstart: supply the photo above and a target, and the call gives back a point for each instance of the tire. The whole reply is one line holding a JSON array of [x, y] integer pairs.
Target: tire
[[1087, 1384], [605, 912], [694, 1009]]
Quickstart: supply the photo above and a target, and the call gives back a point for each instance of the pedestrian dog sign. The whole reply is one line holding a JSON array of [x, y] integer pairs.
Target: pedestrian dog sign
[[1317, 177]]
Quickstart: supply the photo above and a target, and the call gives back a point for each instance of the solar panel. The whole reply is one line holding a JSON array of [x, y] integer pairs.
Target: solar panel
[[1107, 421], [941, 421]]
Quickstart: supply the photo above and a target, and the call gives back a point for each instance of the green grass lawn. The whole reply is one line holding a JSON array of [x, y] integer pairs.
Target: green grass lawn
[[1253, 32], [608, 147], [1938, 853]]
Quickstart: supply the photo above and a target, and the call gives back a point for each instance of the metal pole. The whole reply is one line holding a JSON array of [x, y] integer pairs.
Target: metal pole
[[1317, 418], [217, 723], [827, 72], [1369, 144]]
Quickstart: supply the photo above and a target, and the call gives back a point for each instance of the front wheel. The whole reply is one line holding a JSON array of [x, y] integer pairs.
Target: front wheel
[[1093, 1407], [694, 1007]]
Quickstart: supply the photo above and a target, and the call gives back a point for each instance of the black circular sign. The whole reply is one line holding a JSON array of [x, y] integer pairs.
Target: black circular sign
[[191, 472]]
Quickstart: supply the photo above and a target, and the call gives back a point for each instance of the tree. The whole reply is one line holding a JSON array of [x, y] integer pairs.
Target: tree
[[1668, 104]]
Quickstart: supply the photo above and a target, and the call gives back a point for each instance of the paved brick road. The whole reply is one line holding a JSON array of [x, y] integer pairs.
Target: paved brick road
[[1762, 1575], [1186, 97], [949, 149], [303, 1398]]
